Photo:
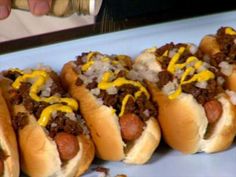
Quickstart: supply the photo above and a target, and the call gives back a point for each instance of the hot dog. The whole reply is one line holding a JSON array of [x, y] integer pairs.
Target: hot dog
[[219, 50], [195, 113], [53, 138], [9, 160], [118, 111]]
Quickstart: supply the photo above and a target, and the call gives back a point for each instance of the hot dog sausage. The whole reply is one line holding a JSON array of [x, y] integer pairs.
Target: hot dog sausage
[[213, 110], [1, 167], [131, 126], [67, 145]]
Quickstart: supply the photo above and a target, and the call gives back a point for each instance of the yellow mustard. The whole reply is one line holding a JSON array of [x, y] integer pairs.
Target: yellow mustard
[[106, 76], [230, 31], [41, 77], [87, 65], [121, 81], [104, 84], [47, 112], [165, 54], [199, 77], [124, 102], [90, 55]]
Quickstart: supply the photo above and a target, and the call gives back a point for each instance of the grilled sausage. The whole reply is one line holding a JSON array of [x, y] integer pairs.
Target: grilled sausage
[[67, 145], [213, 110], [131, 126]]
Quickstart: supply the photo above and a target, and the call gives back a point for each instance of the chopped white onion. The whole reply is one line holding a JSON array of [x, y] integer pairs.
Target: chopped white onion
[[172, 52], [220, 80], [202, 85], [169, 87], [146, 113], [112, 91], [53, 124], [99, 101], [226, 68], [95, 91], [71, 115], [193, 48]]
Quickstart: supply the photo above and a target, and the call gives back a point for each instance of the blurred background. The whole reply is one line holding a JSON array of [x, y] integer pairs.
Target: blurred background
[[113, 15]]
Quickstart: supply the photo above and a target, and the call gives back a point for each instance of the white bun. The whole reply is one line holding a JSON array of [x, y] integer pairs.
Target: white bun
[[104, 126], [8, 141]]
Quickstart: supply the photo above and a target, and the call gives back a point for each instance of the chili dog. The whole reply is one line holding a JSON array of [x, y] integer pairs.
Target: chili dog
[[118, 111], [195, 114], [9, 160], [53, 139], [220, 51]]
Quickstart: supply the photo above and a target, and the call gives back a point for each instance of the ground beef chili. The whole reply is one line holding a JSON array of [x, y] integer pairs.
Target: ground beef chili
[[138, 107], [202, 95], [59, 123], [20, 120], [164, 77], [11, 74], [227, 47]]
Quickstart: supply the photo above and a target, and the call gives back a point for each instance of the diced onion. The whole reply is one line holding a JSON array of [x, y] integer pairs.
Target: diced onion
[[226, 68]]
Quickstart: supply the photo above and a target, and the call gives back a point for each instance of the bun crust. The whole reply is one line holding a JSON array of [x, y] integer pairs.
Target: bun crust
[[209, 45], [8, 141], [104, 126]]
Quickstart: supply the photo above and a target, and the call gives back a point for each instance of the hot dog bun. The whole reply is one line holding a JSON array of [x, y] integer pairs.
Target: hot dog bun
[[104, 125], [8, 142], [183, 120], [39, 152], [210, 46]]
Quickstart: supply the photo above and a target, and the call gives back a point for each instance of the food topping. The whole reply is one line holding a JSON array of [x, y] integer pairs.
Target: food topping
[[65, 122], [39, 78], [226, 38], [20, 120], [107, 78], [189, 70], [46, 113], [67, 145]]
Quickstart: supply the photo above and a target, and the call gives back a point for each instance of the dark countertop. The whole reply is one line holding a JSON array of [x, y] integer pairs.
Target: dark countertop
[[119, 15]]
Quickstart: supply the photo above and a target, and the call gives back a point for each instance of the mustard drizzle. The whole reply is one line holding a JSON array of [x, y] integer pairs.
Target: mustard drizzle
[[230, 31], [40, 78], [105, 84], [199, 77]]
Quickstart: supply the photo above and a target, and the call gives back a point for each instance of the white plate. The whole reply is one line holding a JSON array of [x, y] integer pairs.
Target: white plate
[[165, 162]]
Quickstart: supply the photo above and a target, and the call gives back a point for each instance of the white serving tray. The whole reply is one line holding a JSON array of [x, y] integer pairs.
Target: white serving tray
[[165, 162]]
